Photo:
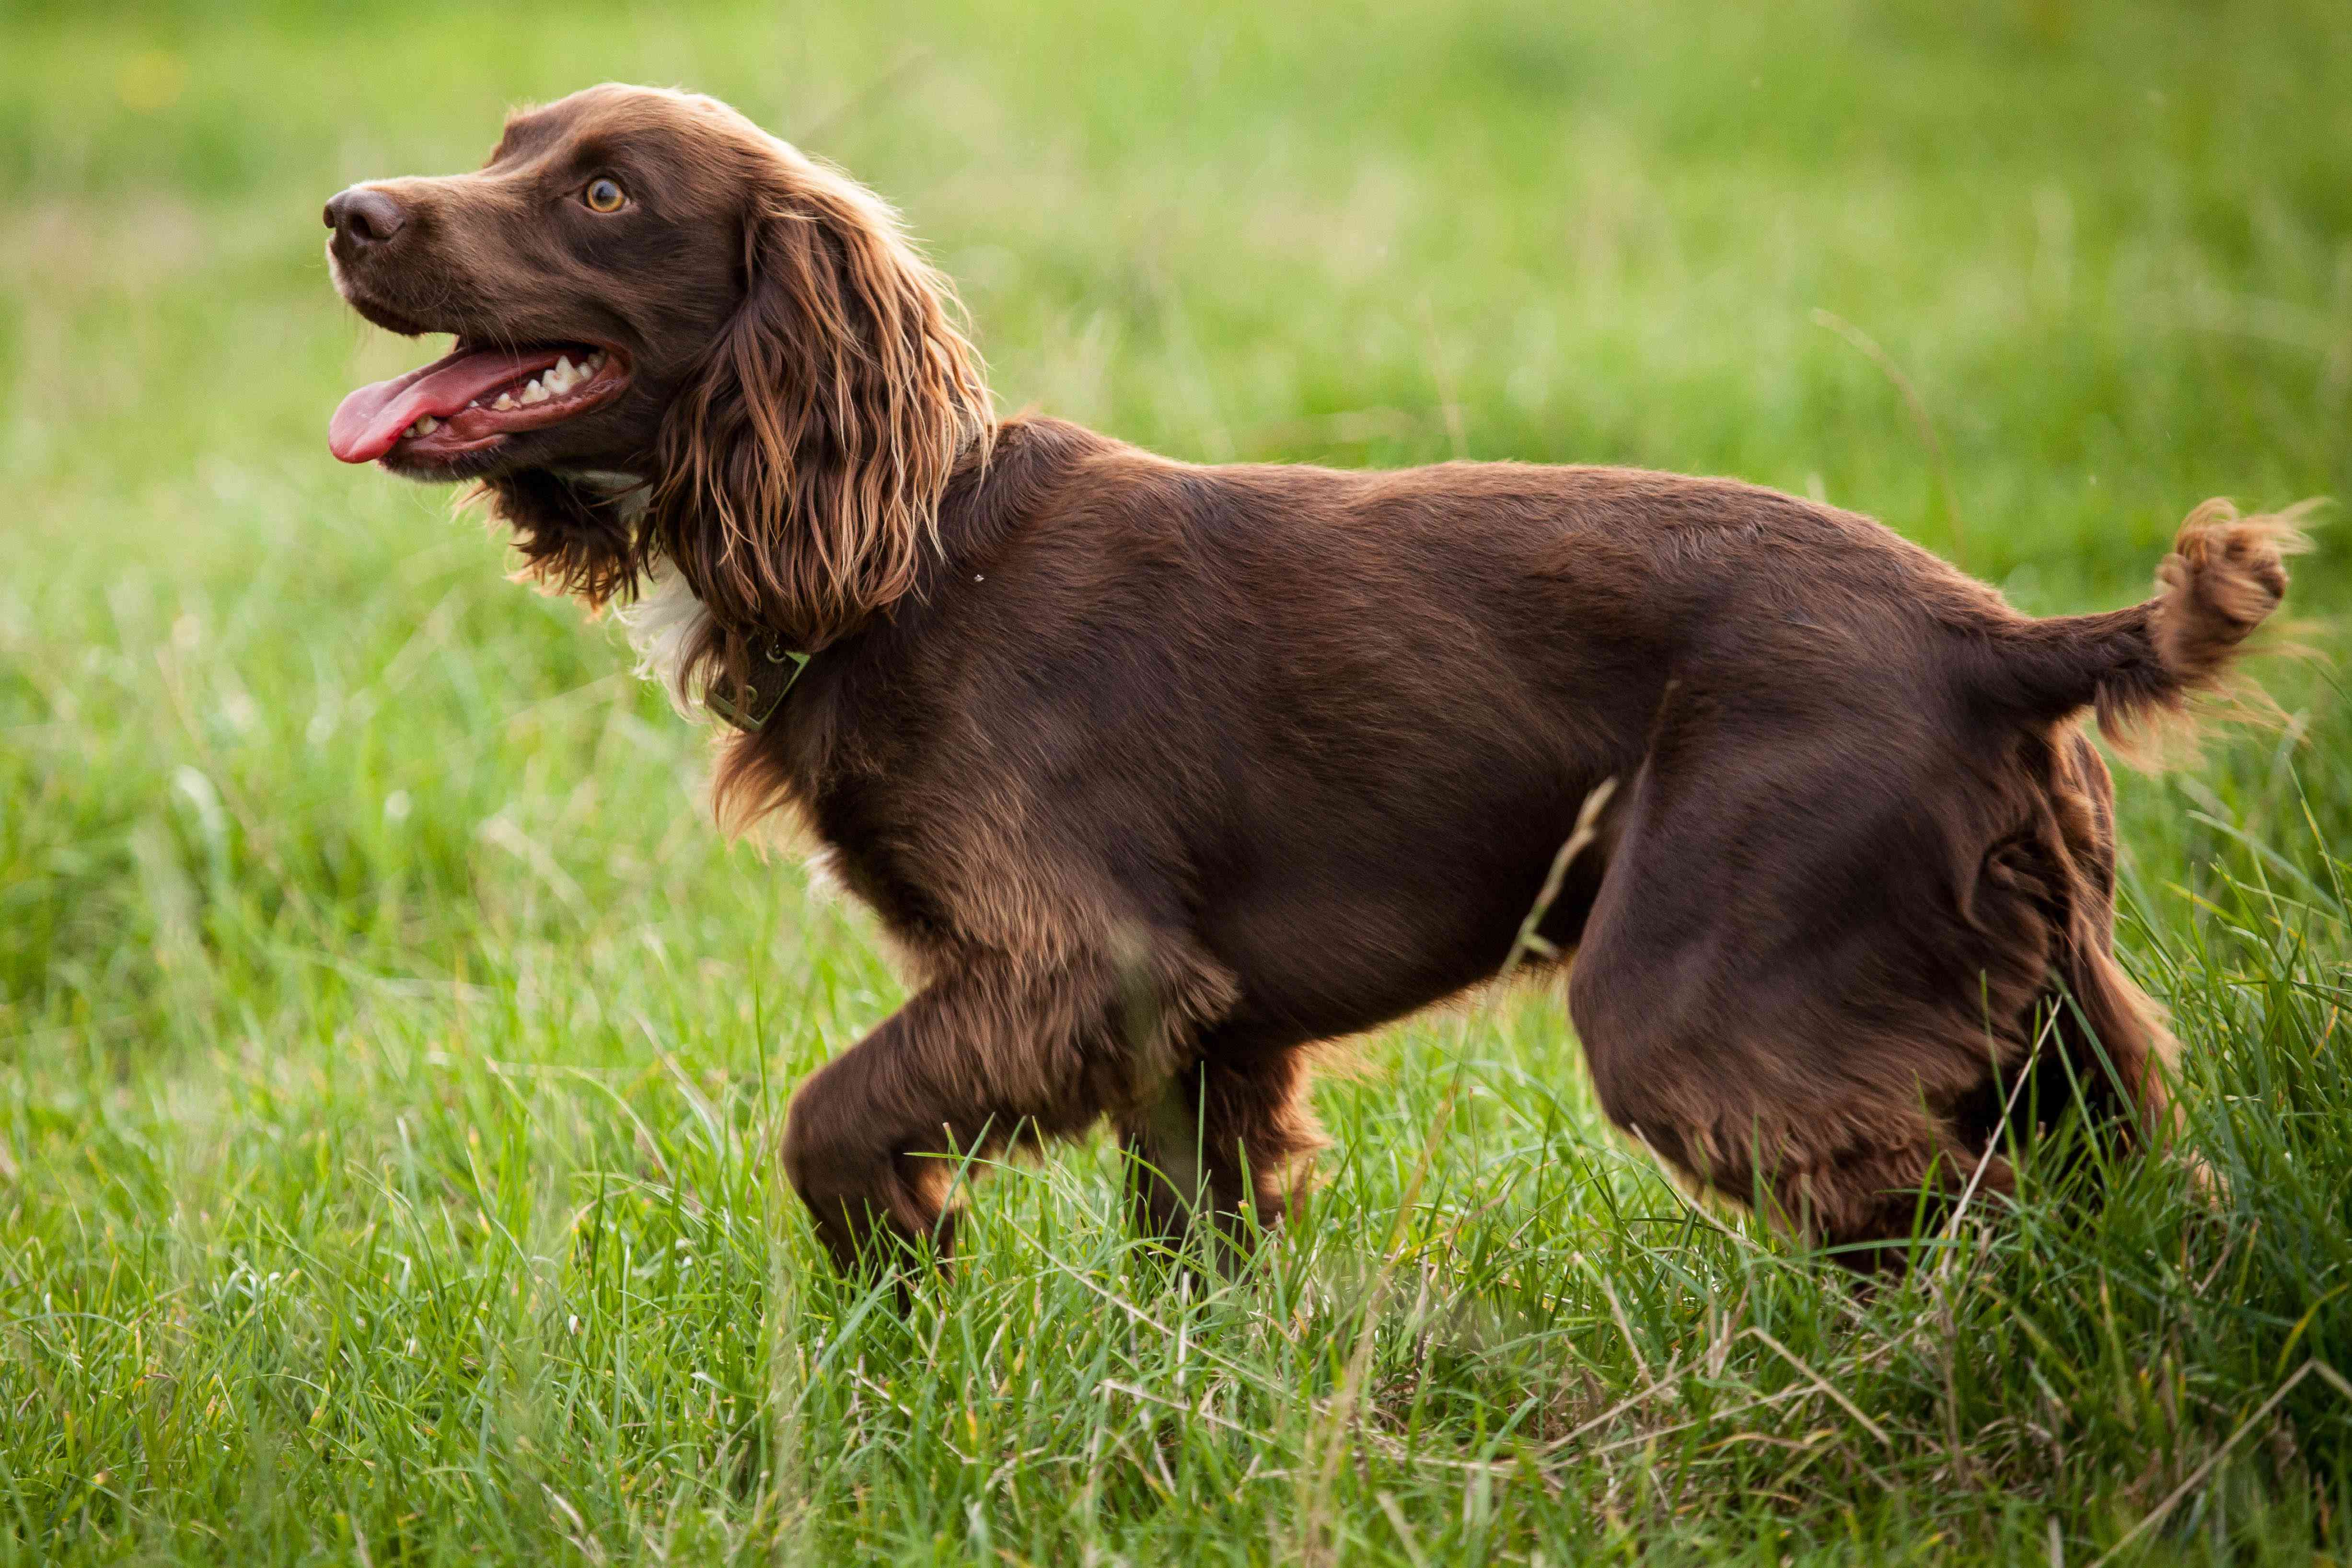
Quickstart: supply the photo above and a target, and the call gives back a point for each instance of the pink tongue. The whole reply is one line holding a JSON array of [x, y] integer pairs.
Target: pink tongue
[[369, 422]]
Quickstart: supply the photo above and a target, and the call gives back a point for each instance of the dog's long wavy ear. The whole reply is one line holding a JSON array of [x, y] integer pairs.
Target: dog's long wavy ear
[[800, 471]]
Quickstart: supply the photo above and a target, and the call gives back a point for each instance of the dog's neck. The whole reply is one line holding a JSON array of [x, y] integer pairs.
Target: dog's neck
[[984, 499], [998, 485], [665, 620]]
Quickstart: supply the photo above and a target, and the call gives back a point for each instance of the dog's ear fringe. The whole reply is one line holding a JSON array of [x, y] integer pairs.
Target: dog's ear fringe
[[798, 473]]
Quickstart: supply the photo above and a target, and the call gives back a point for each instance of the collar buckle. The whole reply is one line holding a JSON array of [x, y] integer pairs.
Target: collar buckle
[[773, 676]]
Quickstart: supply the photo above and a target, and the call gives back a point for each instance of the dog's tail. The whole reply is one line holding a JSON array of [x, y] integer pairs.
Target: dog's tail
[[2138, 668]]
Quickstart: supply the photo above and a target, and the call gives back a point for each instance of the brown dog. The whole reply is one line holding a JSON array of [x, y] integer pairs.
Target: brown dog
[[1159, 773]]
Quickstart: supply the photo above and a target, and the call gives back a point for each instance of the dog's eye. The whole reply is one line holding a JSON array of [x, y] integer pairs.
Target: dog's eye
[[604, 195]]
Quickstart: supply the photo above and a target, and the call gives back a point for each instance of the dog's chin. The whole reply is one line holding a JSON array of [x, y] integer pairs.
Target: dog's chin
[[489, 461], [528, 459], [578, 531], [551, 493]]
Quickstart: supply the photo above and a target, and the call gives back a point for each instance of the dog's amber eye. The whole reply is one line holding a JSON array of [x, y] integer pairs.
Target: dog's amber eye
[[604, 195]]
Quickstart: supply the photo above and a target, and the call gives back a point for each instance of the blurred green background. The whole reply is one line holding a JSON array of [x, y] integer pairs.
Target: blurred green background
[[389, 1051]]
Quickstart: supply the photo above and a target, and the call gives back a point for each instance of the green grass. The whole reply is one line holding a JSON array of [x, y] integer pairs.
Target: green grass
[[391, 1054]]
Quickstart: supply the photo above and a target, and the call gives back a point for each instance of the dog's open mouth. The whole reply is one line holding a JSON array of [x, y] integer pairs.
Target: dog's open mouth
[[472, 398]]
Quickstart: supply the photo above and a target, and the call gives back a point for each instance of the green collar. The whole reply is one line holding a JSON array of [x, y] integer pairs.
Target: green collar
[[774, 673]]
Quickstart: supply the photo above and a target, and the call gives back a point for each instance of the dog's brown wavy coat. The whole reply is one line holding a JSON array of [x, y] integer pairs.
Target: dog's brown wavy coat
[[1158, 773]]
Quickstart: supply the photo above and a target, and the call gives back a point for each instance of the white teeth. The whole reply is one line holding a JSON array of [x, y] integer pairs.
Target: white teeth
[[553, 381], [424, 426]]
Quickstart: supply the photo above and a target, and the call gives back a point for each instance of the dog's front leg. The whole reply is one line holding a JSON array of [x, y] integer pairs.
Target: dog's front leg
[[1231, 1137], [997, 1052], [856, 1135]]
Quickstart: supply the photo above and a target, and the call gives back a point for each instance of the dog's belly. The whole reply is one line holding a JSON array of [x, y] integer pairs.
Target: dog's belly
[[1347, 928]]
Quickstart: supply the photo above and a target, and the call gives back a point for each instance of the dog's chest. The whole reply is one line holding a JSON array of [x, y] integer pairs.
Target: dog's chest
[[862, 856]]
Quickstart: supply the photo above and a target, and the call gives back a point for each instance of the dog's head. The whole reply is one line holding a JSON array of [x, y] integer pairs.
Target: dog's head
[[677, 339]]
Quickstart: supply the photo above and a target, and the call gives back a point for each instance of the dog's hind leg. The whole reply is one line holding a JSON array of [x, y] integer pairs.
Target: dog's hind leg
[[1851, 1168], [1794, 975], [995, 1054], [1229, 1138]]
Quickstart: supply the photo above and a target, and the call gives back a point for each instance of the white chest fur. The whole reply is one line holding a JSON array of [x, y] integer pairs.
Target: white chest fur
[[662, 625], [666, 618]]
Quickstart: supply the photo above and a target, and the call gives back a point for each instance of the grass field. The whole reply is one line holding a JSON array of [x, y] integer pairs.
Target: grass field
[[391, 1054]]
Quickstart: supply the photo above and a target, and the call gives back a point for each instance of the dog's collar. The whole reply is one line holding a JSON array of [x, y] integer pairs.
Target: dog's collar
[[774, 672]]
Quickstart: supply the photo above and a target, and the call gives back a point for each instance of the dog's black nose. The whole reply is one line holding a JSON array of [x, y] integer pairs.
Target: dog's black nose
[[362, 217]]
